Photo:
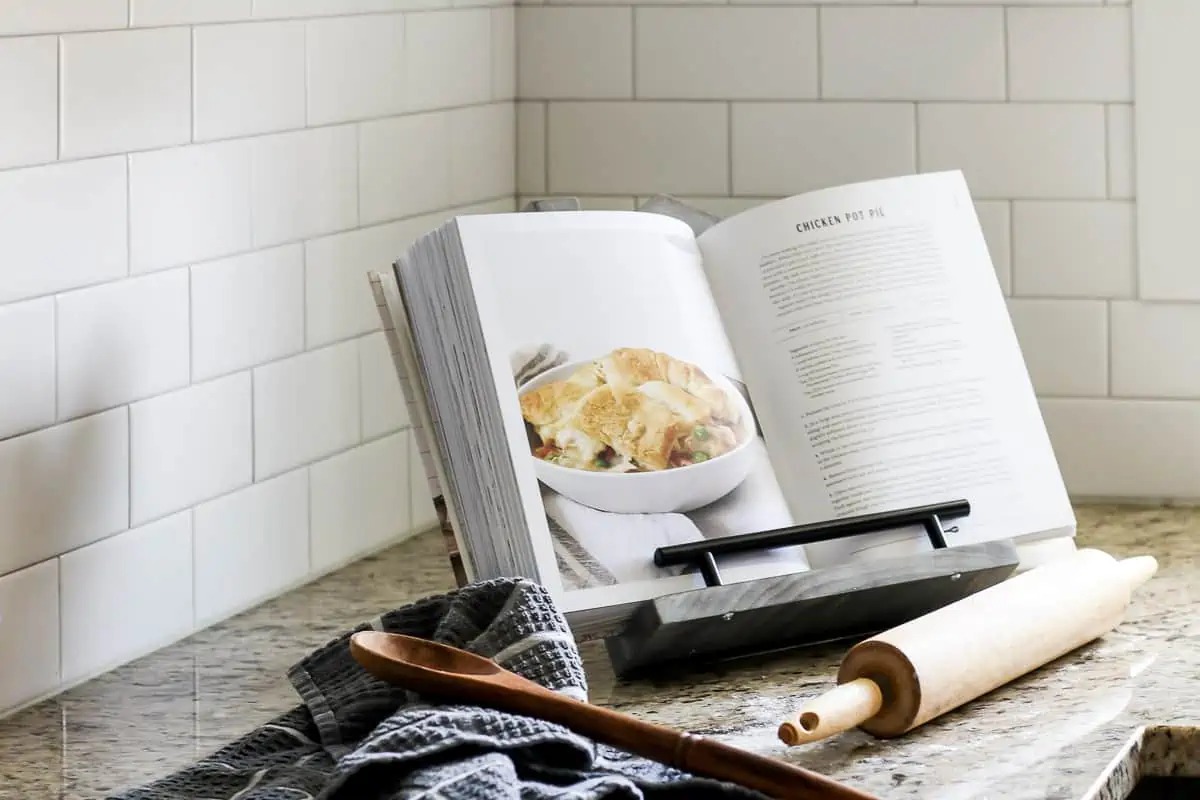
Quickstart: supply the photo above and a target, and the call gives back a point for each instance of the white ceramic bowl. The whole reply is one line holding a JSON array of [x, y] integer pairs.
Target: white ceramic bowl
[[671, 490]]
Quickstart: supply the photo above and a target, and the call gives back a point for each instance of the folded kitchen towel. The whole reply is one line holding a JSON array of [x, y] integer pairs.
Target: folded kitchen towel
[[353, 736]]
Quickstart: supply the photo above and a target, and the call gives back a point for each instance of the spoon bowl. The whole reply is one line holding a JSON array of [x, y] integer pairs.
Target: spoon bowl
[[442, 670]]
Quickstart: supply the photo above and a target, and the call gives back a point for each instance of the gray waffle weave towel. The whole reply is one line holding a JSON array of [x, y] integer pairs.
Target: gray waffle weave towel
[[353, 736]]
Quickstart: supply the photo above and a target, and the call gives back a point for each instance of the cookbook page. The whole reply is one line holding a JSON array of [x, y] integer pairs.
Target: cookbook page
[[627, 419], [886, 373]]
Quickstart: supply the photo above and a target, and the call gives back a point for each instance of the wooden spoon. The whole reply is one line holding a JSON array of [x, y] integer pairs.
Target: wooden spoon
[[446, 671]]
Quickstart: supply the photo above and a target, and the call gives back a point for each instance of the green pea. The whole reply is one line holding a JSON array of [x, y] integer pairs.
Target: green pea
[[700, 432], [699, 456]]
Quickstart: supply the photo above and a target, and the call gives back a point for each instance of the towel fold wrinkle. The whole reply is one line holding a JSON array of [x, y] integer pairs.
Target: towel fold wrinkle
[[354, 736]]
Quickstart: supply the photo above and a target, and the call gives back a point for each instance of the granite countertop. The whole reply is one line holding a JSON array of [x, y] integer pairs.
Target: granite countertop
[[1075, 729]]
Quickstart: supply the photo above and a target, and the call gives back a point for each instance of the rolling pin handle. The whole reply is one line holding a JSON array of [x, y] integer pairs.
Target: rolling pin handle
[[840, 709]]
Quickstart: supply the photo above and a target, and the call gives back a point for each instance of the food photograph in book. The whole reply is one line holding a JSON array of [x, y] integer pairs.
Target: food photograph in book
[[637, 424]]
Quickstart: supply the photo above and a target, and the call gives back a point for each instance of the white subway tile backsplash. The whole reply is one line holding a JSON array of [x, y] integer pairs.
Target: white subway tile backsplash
[[170, 225], [995, 220], [250, 545], [317, 8], [249, 79], [1081, 249], [359, 501], [632, 148], [449, 58], [1070, 54], [912, 53], [305, 408], [1154, 350], [383, 405], [338, 295], [190, 445], [531, 147], [28, 100], [725, 53], [247, 310], [842, 143], [26, 367], [575, 52], [60, 16], [122, 341], [404, 166], [355, 68], [125, 90], [29, 610], [41, 205], [1126, 448], [62, 488], [504, 53], [152, 13], [482, 152], [1122, 175], [303, 184], [1064, 344], [126, 596], [994, 2], [1018, 150]]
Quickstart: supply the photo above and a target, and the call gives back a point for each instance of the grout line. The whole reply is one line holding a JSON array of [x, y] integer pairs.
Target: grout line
[[128, 217], [304, 52], [58, 575], [728, 148], [309, 494], [358, 178], [916, 122], [191, 329], [192, 531], [58, 98], [1012, 249], [546, 146], [192, 65], [633, 49], [57, 362], [1007, 65], [1108, 330], [358, 385], [253, 429], [128, 469], [1108, 150], [820, 58]]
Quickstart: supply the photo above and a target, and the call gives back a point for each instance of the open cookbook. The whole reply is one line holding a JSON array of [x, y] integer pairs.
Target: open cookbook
[[588, 386]]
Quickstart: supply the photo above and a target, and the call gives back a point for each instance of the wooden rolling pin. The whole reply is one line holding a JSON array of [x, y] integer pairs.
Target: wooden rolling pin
[[902, 678]]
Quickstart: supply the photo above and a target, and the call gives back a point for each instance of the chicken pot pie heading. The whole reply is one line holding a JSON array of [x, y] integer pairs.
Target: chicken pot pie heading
[[632, 410]]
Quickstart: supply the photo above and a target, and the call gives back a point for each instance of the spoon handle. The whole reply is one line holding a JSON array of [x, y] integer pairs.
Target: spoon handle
[[686, 751]]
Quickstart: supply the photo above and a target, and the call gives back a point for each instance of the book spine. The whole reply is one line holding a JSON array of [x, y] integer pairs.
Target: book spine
[[394, 319]]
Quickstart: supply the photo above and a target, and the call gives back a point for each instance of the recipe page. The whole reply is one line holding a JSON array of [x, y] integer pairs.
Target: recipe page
[[873, 332]]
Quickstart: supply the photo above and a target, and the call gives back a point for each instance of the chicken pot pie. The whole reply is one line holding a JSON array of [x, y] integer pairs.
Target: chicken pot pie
[[632, 410]]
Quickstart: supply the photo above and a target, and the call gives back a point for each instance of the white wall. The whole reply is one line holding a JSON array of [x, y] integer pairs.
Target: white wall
[[196, 408], [725, 105]]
